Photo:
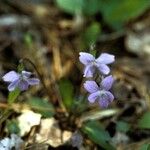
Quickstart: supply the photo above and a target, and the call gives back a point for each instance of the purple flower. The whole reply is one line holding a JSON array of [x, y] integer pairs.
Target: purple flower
[[91, 64], [19, 80], [100, 93]]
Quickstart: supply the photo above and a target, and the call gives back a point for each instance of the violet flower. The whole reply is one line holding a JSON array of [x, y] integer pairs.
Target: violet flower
[[91, 64], [100, 93], [19, 80]]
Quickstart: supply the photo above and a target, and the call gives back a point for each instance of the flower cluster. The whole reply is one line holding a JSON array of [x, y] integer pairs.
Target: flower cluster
[[99, 92], [19, 80]]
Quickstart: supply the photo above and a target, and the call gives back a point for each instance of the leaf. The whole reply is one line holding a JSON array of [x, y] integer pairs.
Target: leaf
[[20, 67], [144, 122], [86, 7], [117, 13], [13, 95], [66, 91], [91, 34], [71, 6], [41, 106], [96, 133], [145, 147], [12, 126], [28, 39], [91, 7], [122, 126]]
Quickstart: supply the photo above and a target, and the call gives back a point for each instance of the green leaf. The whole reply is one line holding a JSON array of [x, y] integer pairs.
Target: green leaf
[[122, 126], [91, 7], [28, 39], [144, 122], [97, 134], [20, 67], [13, 95], [12, 126], [93, 52], [41, 106], [66, 91], [71, 6], [145, 147], [116, 12], [79, 106], [87, 7], [91, 34]]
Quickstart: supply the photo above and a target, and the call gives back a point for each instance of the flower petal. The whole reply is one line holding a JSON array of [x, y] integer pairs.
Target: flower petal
[[105, 98], [13, 85], [33, 81], [103, 103], [92, 97], [26, 74], [11, 76], [89, 71], [86, 58], [107, 82], [105, 58], [91, 86], [23, 85], [104, 69]]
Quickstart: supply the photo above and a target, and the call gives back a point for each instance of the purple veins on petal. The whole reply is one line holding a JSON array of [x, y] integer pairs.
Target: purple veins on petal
[[106, 95], [13, 85], [93, 97], [107, 82], [86, 58], [103, 103], [23, 85], [105, 98], [91, 86]]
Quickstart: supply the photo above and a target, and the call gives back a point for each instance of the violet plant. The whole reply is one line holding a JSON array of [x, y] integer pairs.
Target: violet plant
[[98, 87], [100, 93]]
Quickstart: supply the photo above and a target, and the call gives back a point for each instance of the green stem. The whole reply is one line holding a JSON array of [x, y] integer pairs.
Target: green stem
[[12, 97], [43, 83]]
